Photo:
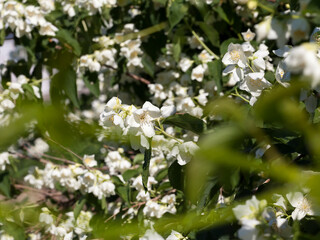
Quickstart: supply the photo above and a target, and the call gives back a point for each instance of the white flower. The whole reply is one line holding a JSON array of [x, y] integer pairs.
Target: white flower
[[7, 104], [185, 63], [250, 210], [235, 55], [144, 118], [302, 205], [89, 161], [4, 160], [185, 152], [249, 230], [254, 83], [151, 234], [46, 216], [273, 29], [205, 57], [175, 236], [202, 97], [198, 73], [36, 91], [194, 43], [299, 29], [248, 35], [236, 74], [116, 163], [48, 29], [39, 148], [167, 111], [259, 64], [304, 59]]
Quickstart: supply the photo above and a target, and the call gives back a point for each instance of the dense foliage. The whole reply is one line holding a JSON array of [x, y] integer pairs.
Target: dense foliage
[[160, 119]]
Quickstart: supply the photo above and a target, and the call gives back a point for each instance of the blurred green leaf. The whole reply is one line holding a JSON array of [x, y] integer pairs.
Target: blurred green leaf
[[67, 38], [145, 167], [215, 72], [92, 82], [5, 185], [66, 80], [176, 12], [211, 33], [2, 36], [186, 121], [176, 176], [78, 207]]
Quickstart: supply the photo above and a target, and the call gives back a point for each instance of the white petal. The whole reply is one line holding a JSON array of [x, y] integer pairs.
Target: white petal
[[298, 214], [295, 198], [148, 129]]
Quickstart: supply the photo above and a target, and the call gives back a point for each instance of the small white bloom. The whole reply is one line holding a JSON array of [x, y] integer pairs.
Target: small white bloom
[[248, 35], [254, 83], [48, 29], [185, 63], [89, 161], [175, 236], [185, 152], [198, 73], [205, 57], [144, 118], [301, 204], [235, 55], [299, 29]]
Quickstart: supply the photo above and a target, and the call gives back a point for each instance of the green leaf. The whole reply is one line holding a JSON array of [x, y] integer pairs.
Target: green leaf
[[78, 207], [127, 175], [177, 50], [186, 121], [66, 37], [177, 11], [161, 174], [145, 167], [92, 83], [123, 192], [148, 64], [138, 158], [66, 80], [294, 5], [215, 72], [205, 197], [176, 176], [222, 14], [116, 180], [5, 185], [2, 36], [211, 33]]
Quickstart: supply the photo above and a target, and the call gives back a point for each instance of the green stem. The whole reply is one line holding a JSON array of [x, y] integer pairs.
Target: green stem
[[142, 33], [250, 67], [238, 95], [204, 45], [265, 7], [168, 135]]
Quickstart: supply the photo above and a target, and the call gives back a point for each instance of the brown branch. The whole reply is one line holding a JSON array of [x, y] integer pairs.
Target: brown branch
[[132, 75], [19, 186]]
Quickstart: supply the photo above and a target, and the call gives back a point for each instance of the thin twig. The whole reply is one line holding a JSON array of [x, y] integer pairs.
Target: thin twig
[[67, 149], [134, 76]]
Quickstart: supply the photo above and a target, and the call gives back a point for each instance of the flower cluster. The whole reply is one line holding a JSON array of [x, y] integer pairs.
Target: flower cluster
[[22, 19]]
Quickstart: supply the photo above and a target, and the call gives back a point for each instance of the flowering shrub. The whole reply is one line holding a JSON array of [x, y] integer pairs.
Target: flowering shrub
[[162, 119]]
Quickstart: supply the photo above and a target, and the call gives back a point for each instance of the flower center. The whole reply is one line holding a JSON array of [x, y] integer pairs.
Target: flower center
[[305, 206], [235, 55], [299, 34], [256, 83]]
